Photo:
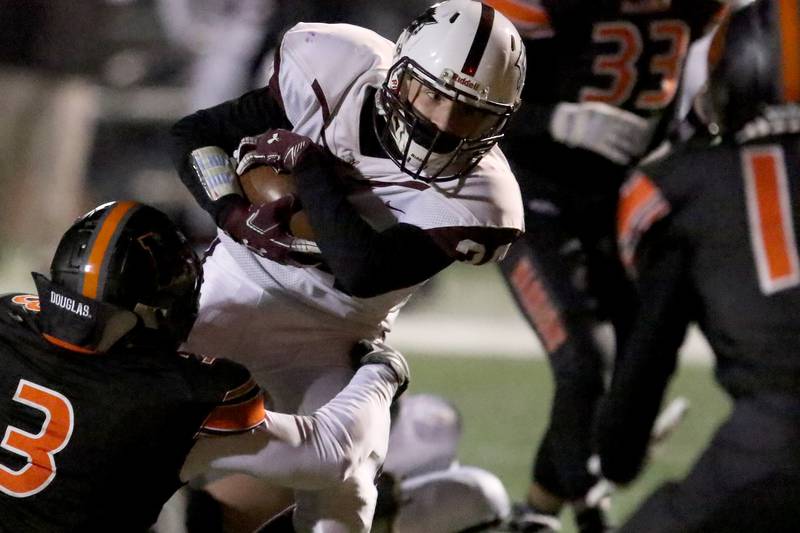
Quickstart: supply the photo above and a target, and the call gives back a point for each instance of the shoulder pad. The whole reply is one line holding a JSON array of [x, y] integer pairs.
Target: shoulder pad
[[19, 307], [239, 401], [320, 62]]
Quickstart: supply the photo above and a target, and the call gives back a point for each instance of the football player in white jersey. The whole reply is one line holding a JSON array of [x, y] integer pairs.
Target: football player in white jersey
[[392, 149]]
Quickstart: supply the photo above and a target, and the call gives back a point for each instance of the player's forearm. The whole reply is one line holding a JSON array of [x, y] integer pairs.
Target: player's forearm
[[346, 420], [365, 262], [222, 126], [354, 424], [320, 451], [648, 358], [625, 418]]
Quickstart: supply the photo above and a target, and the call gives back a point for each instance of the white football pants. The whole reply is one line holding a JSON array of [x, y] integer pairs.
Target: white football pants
[[301, 357]]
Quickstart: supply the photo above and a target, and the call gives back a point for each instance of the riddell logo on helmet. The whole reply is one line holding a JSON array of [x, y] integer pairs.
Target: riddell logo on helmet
[[474, 85]]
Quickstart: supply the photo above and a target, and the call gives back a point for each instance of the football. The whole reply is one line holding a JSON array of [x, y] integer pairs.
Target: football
[[263, 184]]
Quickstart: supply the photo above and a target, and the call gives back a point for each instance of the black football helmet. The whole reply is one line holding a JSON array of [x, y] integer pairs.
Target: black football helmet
[[132, 256], [754, 62]]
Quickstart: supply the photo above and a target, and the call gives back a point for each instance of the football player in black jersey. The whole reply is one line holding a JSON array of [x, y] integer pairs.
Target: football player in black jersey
[[600, 92], [708, 233], [101, 414]]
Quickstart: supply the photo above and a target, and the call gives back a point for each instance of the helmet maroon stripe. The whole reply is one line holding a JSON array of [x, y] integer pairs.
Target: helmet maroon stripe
[[479, 42], [323, 102]]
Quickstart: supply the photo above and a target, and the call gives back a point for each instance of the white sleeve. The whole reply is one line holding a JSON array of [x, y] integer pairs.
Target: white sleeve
[[321, 450]]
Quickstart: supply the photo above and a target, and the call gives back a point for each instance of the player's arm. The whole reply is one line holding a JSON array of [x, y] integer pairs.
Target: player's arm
[[611, 132], [234, 408], [203, 142], [325, 448], [366, 262], [643, 369]]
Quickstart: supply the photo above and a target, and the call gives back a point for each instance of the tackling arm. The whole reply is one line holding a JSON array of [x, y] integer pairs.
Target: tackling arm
[[321, 450], [641, 374]]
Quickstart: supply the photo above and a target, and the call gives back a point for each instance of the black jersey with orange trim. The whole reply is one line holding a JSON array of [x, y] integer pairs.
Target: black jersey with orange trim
[[628, 54], [95, 442], [728, 215], [709, 234]]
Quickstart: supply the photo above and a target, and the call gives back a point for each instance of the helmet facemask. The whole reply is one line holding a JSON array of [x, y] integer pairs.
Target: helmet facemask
[[170, 302], [455, 82]]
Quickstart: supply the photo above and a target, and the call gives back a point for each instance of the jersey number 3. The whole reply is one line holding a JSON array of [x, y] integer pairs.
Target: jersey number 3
[[769, 214], [39, 448]]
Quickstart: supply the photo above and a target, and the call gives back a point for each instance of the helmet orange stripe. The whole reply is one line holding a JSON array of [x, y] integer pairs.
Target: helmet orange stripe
[[520, 12], [91, 277], [790, 49]]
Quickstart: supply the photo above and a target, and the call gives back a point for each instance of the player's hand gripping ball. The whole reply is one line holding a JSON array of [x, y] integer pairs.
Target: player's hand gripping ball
[[270, 220], [264, 229], [264, 184], [281, 149]]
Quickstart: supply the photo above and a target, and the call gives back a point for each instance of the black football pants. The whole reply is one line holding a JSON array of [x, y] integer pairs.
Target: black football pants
[[566, 279]]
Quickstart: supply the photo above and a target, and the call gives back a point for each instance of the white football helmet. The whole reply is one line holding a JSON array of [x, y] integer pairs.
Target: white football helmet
[[460, 59]]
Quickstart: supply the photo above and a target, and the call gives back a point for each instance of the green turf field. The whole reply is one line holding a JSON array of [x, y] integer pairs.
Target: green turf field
[[504, 403]]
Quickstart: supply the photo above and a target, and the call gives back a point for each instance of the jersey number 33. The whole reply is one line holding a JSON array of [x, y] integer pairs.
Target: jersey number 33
[[621, 65]]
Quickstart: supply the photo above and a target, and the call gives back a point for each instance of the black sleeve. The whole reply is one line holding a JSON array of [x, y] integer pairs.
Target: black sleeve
[[627, 412], [364, 261], [224, 126]]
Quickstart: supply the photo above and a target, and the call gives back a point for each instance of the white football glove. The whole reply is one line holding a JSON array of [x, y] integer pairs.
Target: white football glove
[[319, 451], [614, 133]]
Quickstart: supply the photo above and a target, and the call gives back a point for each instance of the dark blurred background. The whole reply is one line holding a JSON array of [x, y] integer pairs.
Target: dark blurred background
[[90, 87]]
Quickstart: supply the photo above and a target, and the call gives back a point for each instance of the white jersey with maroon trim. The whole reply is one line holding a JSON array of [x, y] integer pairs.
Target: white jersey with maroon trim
[[473, 219]]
